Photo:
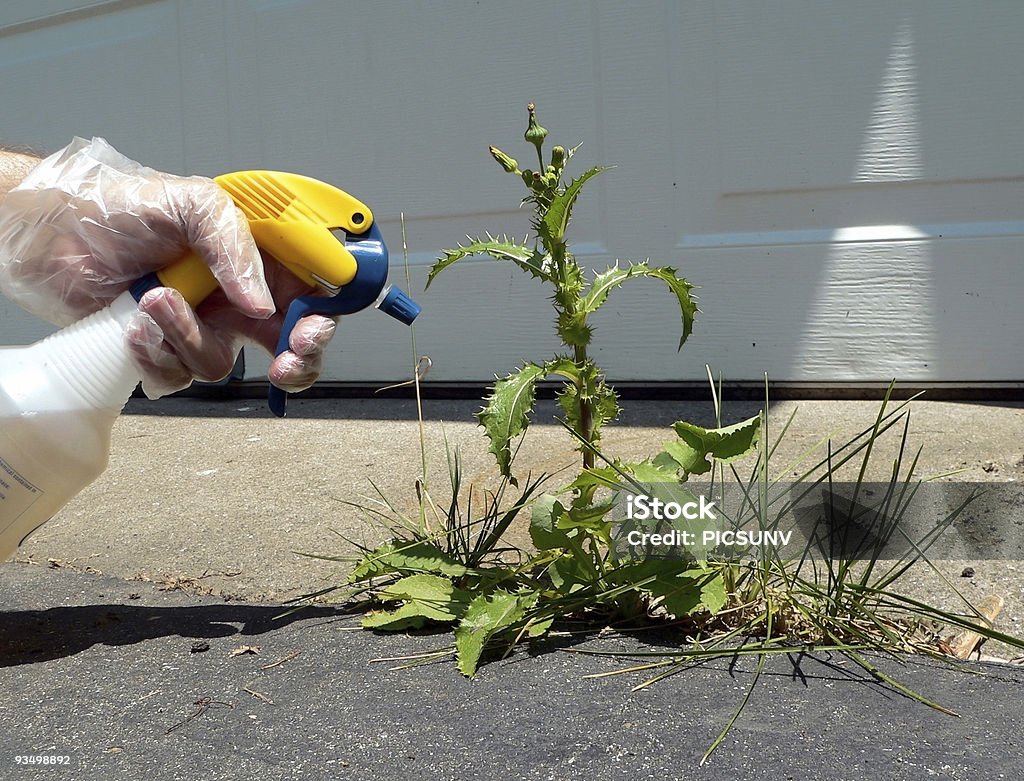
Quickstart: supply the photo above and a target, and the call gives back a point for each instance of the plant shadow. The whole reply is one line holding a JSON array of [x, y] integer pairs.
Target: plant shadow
[[809, 669], [32, 636]]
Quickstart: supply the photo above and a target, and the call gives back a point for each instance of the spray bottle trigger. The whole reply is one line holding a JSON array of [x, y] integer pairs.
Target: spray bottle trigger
[[365, 289], [299, 308]]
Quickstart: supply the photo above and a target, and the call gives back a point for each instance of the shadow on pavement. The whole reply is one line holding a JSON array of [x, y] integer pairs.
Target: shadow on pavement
[[30, 636]]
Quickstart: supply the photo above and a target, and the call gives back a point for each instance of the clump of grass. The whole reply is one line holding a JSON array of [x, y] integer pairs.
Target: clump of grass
[[850, 602]]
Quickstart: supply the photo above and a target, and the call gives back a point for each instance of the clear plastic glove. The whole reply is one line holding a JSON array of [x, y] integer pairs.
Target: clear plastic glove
[[87, 222]]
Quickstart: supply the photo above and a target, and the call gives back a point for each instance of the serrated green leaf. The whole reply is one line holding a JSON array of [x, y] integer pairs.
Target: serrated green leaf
[[406, 556], [487, 615], [643, 472], [574, 568], [506, 415], [555, 219], [652, 576], [538, 628], [600, 477], [605, 283], [563, 367], [690, 591], [648, 472], [568, 284], [589, 516], [404, 617], [682, 597], [568, 400], [544, 531], [667, 579], [604, 404], [697, 445], [713, 594], [430, 589], [661, 570], [527, 258], [669, 464], [568, 396], [424, 597], [570, 573], [690, 460], [615, 276]]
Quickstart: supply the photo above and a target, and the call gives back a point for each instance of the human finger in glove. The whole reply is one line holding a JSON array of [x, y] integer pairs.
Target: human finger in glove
[[86, 222]]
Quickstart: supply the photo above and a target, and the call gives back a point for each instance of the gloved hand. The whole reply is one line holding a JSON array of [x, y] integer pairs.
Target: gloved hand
[[87, 222]]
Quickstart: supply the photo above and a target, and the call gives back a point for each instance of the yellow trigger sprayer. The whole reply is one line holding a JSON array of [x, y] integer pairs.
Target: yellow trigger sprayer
[[298, 221], [59, 397]]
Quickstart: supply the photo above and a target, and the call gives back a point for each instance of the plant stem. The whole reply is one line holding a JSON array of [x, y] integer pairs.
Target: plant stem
[[561, 259], [586, 410]]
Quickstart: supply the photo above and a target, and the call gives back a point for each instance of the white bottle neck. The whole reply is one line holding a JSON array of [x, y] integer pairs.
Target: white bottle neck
[[91, 358]]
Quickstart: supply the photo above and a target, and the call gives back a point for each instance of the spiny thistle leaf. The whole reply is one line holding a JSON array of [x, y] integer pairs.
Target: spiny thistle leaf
[[573, 329], [614, 277], [587, 377], [564, 367], [504, 248], [551, 227], [568, 400], [506, 414], [570, 285]]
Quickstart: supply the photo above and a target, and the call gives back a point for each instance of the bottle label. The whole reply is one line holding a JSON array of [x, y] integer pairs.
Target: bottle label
[[16, 493]]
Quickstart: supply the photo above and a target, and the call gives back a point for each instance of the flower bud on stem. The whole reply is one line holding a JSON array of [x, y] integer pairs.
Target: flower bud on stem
[[535, 134], [508, 163]]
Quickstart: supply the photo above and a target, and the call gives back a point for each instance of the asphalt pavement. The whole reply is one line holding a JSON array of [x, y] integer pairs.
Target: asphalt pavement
[[128, 681]]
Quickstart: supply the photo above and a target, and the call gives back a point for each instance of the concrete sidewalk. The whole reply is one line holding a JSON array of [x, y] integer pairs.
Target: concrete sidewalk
[[216, 496], [223, 493]]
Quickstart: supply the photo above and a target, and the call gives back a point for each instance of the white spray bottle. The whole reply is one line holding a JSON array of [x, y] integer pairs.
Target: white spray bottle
[[59, 397]]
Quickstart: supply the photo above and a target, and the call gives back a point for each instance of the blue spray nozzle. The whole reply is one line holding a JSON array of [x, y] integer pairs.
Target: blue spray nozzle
[[364, 290], [399, 305]]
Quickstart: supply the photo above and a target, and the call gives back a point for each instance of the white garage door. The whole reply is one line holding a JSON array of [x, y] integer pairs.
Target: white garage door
[[843, 180]]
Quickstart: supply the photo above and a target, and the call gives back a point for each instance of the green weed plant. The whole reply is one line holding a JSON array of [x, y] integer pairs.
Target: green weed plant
[[451, 566]]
